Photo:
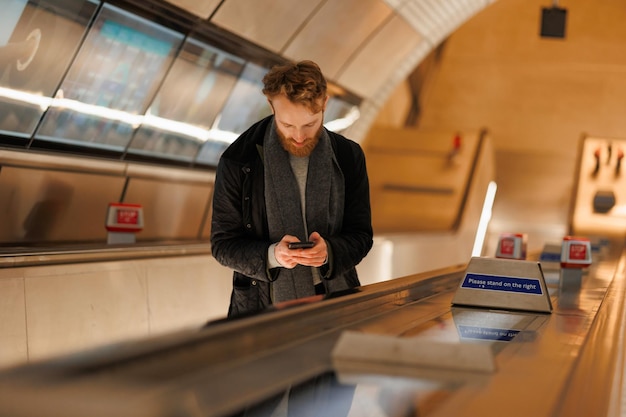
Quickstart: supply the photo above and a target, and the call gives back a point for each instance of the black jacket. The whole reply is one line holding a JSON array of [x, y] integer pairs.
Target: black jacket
[[239, 231]]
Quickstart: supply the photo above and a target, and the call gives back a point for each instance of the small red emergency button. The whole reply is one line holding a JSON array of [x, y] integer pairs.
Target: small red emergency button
[[123, 217], [575, 252], [512, 246]]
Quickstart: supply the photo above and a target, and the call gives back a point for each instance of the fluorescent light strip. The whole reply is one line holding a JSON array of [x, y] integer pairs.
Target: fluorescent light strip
[[485, 216], [136, 120], [23, 96]]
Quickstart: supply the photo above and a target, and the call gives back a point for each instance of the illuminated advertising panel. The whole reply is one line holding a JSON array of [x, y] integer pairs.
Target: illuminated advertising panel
[[38, 40], [181, 116], [245, 106], [111, 82]]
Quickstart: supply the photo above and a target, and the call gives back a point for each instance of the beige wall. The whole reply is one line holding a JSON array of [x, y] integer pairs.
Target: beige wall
[[536, 96], [59, 309]]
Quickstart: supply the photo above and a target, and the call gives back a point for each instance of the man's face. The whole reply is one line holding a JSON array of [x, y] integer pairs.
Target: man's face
[[298, 129]]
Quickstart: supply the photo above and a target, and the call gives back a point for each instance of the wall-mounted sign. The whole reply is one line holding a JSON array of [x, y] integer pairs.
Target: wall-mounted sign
[[122, 217]]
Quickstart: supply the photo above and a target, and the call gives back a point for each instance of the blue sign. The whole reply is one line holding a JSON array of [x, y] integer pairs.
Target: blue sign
[[487, 333], [498, 283], [550, 257]]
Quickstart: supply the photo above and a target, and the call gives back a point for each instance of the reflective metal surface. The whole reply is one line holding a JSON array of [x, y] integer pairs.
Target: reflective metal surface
[[55, 206], [27, 256], [49, 199], [271, 363], [215, 371], [172, 210]]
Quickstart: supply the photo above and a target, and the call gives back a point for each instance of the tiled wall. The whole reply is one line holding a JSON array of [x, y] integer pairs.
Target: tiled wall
[[51, 310]]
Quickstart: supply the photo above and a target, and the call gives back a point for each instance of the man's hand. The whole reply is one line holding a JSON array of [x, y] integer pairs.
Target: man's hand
[[289, 258]]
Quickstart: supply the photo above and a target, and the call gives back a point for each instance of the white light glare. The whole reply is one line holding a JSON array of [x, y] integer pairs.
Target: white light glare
[[23, 96], [485, 216], [137, 120], [338, 125]]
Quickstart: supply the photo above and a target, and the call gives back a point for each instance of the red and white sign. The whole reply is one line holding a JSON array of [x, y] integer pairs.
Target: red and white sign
[[123, 217], [507, 246], [575, 252], [512, 246]]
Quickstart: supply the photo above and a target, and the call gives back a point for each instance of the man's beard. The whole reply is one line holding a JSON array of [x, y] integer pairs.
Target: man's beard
[[309, 143]]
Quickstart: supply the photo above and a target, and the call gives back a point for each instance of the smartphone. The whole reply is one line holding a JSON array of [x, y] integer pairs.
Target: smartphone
[[300, 245]]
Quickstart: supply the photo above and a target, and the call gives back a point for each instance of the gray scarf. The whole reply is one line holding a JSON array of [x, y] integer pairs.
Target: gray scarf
[[325, 193]]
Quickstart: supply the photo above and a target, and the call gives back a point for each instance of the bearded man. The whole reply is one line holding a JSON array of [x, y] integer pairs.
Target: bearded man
[[288, 179]]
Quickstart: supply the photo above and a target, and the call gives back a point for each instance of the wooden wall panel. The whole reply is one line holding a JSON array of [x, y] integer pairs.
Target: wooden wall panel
[[537, 97], [416, 183]]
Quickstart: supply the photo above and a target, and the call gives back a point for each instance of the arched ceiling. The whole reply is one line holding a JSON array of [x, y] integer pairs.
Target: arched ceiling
[[365, 46]]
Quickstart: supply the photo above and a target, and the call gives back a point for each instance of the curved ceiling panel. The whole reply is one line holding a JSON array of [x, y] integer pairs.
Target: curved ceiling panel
[[336, 31], [371, 105], [202, 8], [366, 46], [268, 23], [377, 60], [437, 19]]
